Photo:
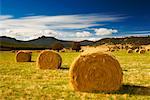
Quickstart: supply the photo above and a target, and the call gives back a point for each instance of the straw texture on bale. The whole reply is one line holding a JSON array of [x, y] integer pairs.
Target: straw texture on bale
[[95, 71], [23, 56], [48, 59], [141, 51], [130, 51]]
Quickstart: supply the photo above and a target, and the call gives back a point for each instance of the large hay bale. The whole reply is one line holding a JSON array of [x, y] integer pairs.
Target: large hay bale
[[129, 51], [95, 71], [136, 50], [142, 51], [23, 56], [48, 59]]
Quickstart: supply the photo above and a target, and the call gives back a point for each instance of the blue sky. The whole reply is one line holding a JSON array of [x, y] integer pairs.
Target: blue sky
[[74, 19]]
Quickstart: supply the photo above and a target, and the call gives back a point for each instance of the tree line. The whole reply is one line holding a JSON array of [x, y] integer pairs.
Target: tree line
[[58, 46]]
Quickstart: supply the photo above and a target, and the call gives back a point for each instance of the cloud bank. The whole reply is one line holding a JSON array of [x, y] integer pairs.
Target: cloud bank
[[30, 27], [105, 31], [83, 34]]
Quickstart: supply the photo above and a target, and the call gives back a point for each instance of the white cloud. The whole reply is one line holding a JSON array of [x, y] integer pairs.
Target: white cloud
[[29, 36], [51, 33], [3, 17], [94, 38], [105, 31], [83, 34], [33, 26]]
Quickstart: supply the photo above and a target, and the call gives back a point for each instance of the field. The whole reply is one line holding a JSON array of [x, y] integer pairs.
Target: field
[[26, 81]]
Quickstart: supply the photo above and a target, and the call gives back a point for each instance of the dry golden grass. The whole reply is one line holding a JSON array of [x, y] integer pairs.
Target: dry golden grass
[[26, 81]]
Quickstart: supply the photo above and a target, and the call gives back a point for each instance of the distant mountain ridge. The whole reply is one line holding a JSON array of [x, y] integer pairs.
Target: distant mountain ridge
[[46, 42], [39, 43]]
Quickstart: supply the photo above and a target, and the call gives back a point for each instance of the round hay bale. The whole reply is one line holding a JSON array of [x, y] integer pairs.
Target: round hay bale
[[23, 56], [95, 71], [148, 49], [142, 51], [62, 50], [122, 47], [136, 50], [81, 50], [130, 51], [48, 59], [13, 51], [112, 50]]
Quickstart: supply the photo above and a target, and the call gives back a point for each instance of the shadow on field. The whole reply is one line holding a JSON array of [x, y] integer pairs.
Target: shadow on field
[[132, 90], [26, 62], [64, 68]]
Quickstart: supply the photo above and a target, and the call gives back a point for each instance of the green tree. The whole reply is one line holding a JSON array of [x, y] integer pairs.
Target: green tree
[[57, 46], [76, 46]]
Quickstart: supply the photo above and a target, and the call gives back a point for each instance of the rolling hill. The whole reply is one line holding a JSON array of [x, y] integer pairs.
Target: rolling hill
[[7, 43]]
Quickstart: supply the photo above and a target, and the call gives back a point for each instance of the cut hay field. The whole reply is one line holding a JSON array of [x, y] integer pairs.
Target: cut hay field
[[23, 80]]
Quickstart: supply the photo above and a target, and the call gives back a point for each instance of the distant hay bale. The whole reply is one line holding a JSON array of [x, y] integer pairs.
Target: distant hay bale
[[95, 71], [122, 47], [112, 50], [81, 50], [38, 51], [13, 51], [48, 59], [129, 51], [16, 51], [126, 47], [117, 49], [148, 49], [23, 56], [142, 51], [62, 50], [136, 50]]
